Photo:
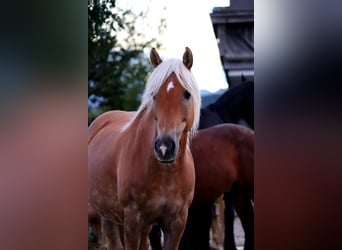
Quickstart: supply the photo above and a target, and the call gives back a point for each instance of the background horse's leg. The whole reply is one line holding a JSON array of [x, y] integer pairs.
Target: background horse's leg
[[217, 225], [111, 236], [229, 216], [155, 238], [245, 211], [197, 231]]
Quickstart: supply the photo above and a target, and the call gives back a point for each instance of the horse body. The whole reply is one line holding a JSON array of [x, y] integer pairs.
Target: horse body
[[231, 149], [140, 188], [140, 168], [223, 157]]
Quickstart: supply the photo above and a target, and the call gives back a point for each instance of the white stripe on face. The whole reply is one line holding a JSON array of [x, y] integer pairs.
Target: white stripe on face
[[169, 86]]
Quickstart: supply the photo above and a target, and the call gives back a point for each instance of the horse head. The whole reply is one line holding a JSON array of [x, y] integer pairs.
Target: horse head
[[175, 104]]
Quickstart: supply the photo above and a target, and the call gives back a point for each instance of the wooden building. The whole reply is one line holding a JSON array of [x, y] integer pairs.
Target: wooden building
[[234, 31]]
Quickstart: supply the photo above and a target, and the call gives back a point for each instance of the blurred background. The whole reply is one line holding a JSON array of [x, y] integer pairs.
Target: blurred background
[[121, 34]]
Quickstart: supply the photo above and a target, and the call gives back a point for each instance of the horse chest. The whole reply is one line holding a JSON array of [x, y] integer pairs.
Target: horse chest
[[156, 196], [159, 205]]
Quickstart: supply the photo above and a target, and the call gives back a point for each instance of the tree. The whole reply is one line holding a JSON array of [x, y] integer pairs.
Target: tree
[[117, 65]]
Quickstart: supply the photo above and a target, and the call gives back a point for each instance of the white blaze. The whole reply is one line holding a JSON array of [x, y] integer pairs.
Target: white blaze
[[169, 86]]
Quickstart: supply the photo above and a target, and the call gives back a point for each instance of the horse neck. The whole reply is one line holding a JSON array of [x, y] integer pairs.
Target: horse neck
[[146, 125], [140, 133], [209, 117], [231, 105]]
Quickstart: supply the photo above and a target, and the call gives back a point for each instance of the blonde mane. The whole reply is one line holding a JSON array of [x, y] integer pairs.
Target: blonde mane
[[159, 76]]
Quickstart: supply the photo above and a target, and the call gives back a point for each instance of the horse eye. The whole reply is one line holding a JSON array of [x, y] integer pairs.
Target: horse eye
[[187, 94]]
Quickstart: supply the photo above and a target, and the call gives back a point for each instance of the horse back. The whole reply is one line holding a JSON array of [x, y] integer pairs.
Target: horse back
[[116, 119]]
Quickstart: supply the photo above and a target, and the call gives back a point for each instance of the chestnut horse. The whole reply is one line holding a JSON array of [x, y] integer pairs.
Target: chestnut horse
[[140, 168], [223, 157]]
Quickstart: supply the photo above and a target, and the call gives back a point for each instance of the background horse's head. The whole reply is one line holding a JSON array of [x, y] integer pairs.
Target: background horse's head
[[172, 93], [236, 104]]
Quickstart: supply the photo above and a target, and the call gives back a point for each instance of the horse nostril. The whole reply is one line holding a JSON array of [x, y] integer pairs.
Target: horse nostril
[[172, 146], [156, 145]]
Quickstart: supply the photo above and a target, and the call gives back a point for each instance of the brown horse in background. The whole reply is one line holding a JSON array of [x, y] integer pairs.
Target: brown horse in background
[[140, 167], [223, 154], [224, 161]]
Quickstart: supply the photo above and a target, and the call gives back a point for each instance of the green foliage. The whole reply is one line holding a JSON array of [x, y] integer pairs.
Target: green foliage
[[117, 65]]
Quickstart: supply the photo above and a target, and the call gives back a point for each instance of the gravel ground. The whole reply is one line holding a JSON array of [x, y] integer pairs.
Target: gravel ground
[[239, 234]]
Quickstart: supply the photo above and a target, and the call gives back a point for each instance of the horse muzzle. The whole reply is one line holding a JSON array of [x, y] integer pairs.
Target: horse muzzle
[[165, 149]]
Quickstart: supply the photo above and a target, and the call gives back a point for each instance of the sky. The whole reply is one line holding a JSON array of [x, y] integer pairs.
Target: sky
[[188, 24]]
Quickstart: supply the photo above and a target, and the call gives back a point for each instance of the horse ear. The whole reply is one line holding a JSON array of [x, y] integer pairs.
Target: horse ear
[[187, 58], [155, 58]]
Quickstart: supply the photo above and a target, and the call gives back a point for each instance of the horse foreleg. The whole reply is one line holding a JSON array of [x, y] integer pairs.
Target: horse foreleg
[[229, 216], [245, 211], [197, 231], [217, 225], [173, 229], [136, 230], [111, 236]]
